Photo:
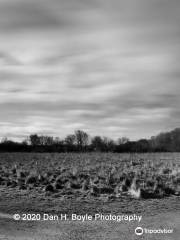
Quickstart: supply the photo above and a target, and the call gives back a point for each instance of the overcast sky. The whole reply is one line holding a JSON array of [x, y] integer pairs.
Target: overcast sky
[[109, 67]]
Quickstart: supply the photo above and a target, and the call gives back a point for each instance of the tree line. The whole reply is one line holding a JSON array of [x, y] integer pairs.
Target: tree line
[[80, 141]]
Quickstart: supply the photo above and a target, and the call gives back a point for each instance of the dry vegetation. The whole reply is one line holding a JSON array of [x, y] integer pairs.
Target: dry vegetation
[[104, 176], [89, 183]]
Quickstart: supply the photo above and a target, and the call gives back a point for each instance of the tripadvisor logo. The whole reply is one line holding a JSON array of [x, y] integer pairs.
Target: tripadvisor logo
[[139, 231]]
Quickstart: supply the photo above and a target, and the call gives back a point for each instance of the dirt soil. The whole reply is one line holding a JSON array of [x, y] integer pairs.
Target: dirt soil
[[20, 230], [156, 213]]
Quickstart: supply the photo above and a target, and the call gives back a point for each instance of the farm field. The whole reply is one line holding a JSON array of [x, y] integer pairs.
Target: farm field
[[89, 183], [60, 182]]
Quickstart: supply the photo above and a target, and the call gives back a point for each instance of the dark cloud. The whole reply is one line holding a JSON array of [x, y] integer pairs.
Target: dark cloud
[[24, 15]]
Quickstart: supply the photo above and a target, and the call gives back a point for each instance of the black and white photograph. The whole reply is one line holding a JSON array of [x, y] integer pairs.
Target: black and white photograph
[[89, 120]]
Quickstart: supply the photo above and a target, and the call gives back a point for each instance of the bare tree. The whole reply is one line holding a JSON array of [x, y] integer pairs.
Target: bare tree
[[34, 139], [82, 139], [122, 140], [70, 140], [97, 143], [108, 143], [46, 140]]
